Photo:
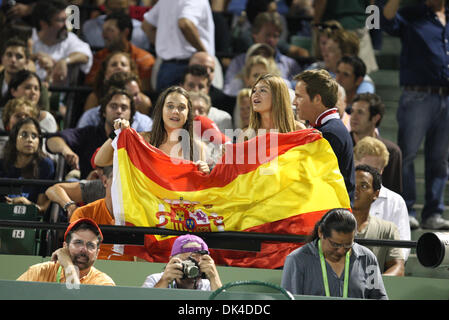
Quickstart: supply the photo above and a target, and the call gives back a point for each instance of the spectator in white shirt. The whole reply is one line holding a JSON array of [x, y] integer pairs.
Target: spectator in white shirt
[[55, 48]]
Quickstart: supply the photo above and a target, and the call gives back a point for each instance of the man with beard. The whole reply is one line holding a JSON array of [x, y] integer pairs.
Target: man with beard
[[54, 48], [117, 30], [101, 212], [77, 145], [73, 263]]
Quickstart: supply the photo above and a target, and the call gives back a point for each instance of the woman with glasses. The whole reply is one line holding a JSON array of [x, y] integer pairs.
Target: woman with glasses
[[331, 264], [25, 159]]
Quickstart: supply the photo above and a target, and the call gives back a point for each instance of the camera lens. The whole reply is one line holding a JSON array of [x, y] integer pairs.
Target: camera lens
[[190, 269], [192, 272]]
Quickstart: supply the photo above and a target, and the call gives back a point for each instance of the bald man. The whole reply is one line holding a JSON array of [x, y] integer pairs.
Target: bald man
[[219, 99]]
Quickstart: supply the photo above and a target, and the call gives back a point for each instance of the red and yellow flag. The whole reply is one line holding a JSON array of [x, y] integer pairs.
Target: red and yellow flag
[[275, 183]]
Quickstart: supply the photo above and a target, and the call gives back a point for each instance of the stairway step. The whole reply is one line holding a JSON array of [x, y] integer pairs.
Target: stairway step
[[386, 77], [414, 269]]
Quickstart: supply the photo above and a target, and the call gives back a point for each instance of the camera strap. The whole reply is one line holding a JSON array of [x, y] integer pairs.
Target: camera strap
[[324, 271]]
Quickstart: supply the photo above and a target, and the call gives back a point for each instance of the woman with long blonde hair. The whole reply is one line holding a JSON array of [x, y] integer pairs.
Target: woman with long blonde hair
[[271, 108]]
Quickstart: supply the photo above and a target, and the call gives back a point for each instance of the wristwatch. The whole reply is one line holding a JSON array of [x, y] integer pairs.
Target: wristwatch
[[68, 204]]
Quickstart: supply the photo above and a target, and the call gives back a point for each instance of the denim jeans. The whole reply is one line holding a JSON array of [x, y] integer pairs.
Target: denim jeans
[[170, 74], [423, 115]]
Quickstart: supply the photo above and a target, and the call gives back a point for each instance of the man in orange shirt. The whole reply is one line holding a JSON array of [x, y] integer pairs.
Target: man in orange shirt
[[117, 30], [73, 263], [101, 212]]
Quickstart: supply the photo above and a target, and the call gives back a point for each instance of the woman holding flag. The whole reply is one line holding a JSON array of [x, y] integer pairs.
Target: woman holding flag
[[172, 131]]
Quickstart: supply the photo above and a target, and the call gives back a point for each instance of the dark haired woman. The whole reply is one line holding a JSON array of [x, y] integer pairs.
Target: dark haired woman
[[24, 159], [172, 117], [27, 84]]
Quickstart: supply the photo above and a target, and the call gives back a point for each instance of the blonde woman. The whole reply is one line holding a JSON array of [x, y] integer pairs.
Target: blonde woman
[[271, 108], [255, 66], [242, 109], [17, 109]]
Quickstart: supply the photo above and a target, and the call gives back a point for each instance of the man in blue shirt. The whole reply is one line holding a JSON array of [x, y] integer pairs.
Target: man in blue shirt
[[424, 103], [131, 83], [351, 72]]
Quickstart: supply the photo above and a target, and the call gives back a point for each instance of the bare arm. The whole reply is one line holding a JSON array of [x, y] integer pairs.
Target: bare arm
[[62, 255], [61, 193], [391, 8], [394, 267], [104, 156], [191, 34], [60, 68], [150, 31], [58, 145], [207, 265], [41, 204]]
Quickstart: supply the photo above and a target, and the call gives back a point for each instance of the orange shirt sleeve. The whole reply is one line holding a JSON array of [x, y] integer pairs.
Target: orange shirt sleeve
[[42, 272]]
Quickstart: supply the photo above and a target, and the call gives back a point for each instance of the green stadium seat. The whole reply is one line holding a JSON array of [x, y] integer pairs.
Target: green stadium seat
[[19, 240]]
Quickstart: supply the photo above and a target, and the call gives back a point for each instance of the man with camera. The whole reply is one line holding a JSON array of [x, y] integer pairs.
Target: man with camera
[[190, 267]]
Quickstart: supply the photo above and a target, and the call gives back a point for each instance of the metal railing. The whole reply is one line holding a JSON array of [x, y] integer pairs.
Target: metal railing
[[135, 235]]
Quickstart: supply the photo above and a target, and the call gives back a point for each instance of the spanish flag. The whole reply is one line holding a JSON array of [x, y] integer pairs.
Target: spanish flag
[[275, 183]]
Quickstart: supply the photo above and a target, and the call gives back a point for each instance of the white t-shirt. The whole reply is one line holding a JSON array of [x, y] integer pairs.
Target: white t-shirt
[[170, 42], [48, 123], [62, 50], [391, 206], [151, 280]]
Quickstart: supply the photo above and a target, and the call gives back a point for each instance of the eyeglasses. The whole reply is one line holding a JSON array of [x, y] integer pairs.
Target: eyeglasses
[[340, 245], [25, 135], [78, 244], [325, 26]]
